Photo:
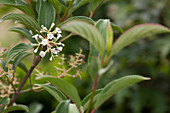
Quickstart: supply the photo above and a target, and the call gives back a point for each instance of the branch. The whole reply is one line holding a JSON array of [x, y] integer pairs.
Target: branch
[[34, 64]]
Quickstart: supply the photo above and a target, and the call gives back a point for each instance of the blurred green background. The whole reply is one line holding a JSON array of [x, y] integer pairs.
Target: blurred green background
[[148, 57]]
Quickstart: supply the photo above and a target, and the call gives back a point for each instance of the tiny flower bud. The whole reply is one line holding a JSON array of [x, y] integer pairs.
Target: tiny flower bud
[[35, 51], [42, 54]]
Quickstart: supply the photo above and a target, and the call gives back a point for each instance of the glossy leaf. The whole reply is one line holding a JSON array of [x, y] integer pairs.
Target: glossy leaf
[[46, 15], [116, 85], [58, 95], [4, 66], [4, 101], [86, 100], [16, 50], [77, 4], [19, 5], [135, 33], [19, 58], [56, 4], [22, 18], [63, 107], [87, 31], [24, 32], [67, 88], [16, 108]]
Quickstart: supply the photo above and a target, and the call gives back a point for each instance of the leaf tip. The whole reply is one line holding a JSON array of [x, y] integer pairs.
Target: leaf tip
[[147, 78]]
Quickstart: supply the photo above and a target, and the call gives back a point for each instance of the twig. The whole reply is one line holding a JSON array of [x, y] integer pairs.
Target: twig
[[66, 12], [93, 93], [91, 15], [66, 37], [34, 64]]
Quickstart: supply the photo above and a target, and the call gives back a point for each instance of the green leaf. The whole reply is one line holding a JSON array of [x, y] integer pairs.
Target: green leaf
[[4, 66], [104, 26], [19, 5], [35, 107], [115, 86], [86, 100], [58, 95], [16, 50], [63, 107], [4, 101], [16, 108], [73, 109], [116, 28], [136, 33], [62, 2], [77, 4], [87, 31], [21, 66], [56, 4], [24, 32], [67, 88], [46, 15], [19, 58], [95, 4], [81, 18], [22, 18]]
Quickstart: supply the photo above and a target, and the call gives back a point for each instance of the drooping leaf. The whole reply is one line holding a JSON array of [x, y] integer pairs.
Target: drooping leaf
[[87, 31], [67, 88], [58, 95], [4, 66], [19, 5], [22, 18], [135, 33], [81, 18], [19, 58], [24, 32], [56, 5], [46, 14], [4, 101], [77, 4], [63, 107], [86, 100], [115, 86], [21, 66], [16, 108], [16, 50]]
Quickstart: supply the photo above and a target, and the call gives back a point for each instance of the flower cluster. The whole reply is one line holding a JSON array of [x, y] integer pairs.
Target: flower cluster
[[47, 41]]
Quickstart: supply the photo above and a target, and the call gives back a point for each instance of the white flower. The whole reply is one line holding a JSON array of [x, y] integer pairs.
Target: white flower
[[57, 30], [33, 44], [52, 25], [50, 35], [58, 36], [60, 48], [35, 51], [44, 42], [42, 54], [40, 37], [43, 29], [51, 58], [35, 36], [60, 44], [54, 51]]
